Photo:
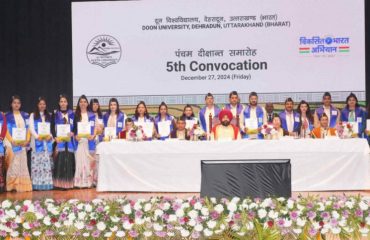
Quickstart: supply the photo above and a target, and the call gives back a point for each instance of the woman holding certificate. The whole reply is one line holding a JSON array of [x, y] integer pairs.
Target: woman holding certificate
[[189, 116], [143, 120], [114, 120], [164, 122], [18, 177], [64, 163], [355, 115], [42, 147], [85, 132], [95, 108]]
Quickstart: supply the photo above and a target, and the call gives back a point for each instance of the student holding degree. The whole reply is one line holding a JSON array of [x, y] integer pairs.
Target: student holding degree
[[64, 157], [143, 119], [209, 111], [254, 117], [114, 120], [85, 132], [42, 147], [95, 108], [236, 109], [189, 116], [18, 135], [355, 115], [164, 123], [289, 118], [331, 112]]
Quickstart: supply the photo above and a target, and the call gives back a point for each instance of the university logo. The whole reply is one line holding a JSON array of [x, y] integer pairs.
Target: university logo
[[324, 45], [104, 50]]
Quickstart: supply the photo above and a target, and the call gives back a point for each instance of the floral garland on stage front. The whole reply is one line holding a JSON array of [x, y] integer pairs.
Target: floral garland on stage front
[[194, 218]]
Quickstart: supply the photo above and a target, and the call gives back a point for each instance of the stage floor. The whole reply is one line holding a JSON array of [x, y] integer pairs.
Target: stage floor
[[89, 194]]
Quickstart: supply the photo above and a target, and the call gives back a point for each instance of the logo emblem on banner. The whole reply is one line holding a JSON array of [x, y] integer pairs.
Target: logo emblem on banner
[[328, 45], [104, 50]]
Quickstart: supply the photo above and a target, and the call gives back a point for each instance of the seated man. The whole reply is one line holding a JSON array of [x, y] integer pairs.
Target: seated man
[[180, 132], [225, 130], [129, 125], [324, 130]]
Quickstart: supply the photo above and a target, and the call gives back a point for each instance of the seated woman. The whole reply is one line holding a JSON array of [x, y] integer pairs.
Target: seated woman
[[279, 131], [324, 130], [180, 132]]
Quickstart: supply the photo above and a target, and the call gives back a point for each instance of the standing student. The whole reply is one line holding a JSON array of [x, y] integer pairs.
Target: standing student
[[3, 131], [189, 117], [64, 158], [354, 114], [289, 118], [306, 120], [163, 117], [114, 117], [85, 144], [209, 110], [142, 116], [42, 148], [18, 177], [331, 112], [255, 115], [95, 108]]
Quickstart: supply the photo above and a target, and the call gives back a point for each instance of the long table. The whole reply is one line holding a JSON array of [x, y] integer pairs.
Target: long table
[[174, 166]]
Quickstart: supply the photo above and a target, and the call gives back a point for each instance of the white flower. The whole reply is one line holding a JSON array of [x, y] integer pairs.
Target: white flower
[[71, 216], [88, 208], [235, 227], [36, 233], [158, 213], [273, 215], [166, 206], [266, 203], [127, 225], [107, 234], [97, 201], [222, 226], [172, 218], [14, 234], [193, 214], [184, 233], [80, 206], [6, 204], [213, 200], [57, 224], [300, 207], [219, 208], [321, 207], [26, 225], [301, 222], [147, 207], [120, 234], [81, 215], [207, 232], [101, 226], [297, 230], [148, 234], [198, 206], [342, 222], [192, 222], [335, 230], [253, 205], [232, 207], [324, 230], [262, 213], [235, 199], [349, 204], [114, 229], [79, 225], [363, 205], [39, 216], [68, 223], [85, 234], [250, 226], [287, 223], [115, 219], [157, 227], [139, 221], [47, 221], [335, 214], [290, 204], [180, 212], [204, 211], [27, 203], [211, 224], [170, 234], [127, 209], [198, 227], [10, 213], [137, 206], [364, 231]]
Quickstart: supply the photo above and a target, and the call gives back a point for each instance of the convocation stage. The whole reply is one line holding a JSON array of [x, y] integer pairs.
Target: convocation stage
[[175, 166]]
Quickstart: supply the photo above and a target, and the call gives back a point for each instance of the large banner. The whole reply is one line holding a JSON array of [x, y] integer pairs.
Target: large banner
[[181, 47]]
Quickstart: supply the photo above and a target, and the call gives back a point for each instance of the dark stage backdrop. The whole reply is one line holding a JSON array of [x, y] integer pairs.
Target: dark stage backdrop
[[36, 50]]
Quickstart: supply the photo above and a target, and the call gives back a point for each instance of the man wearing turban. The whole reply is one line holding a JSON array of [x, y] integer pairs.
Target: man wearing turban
[[225, 130]]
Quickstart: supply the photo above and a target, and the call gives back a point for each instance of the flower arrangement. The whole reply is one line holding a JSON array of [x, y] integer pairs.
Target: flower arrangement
[[196, 133], [345, 130], [136, 133], [268, 131], [193, 218]]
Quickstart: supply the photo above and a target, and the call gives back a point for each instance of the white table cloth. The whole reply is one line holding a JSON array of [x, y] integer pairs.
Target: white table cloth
[[174, 166]]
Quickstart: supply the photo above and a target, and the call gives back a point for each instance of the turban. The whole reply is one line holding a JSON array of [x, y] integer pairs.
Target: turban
[[225, 112]]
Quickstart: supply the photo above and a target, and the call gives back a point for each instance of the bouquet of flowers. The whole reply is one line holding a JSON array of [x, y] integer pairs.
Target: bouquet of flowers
[[196, 133], [136, 134], [345, 130], [268, 130]]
